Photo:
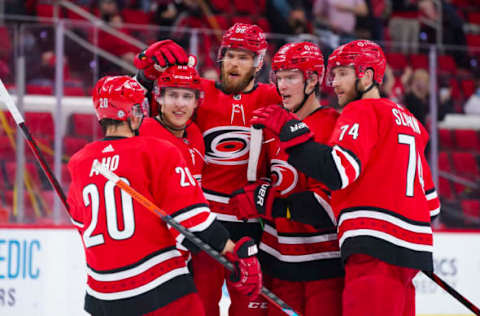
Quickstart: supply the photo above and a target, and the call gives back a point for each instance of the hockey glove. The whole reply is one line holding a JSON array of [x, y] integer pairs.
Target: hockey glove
[[158, 56], [254, 200], [290, 130], [247, 277]]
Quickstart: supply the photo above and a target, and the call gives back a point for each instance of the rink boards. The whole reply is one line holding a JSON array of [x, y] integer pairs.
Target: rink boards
[[42, 272]]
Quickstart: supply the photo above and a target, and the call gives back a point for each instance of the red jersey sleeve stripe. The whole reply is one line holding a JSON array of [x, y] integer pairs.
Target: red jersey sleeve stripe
[[347, 165]]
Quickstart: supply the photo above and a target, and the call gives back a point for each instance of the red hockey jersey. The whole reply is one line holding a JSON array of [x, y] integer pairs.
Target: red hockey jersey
[[133, 264], [191, 145], [224, 122], [387, 193], [290, 250]]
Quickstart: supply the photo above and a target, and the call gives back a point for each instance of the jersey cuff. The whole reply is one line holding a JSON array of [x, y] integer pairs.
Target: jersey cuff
[[216, 235], [322, 168]]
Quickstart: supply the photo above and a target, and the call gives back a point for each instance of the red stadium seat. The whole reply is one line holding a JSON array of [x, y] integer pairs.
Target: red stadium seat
[[467, 139], [250, 6], [453, 84], [468, 87], [40, 124], [6, 150], [29, 213], [39, 89], [465, 164], [473, 43], [397, 61], [11, 170], [419, 61], [223, 21], [73, 91], [474, 17], [4, 213], [74, 16], [444, 162], [447, 65], [445, 189], [242, 19], [264, 25], [66, 179], [84, 125], [136, 16], [471, 211], [221, 6], [73, 144], [46, 10], [445, 138]]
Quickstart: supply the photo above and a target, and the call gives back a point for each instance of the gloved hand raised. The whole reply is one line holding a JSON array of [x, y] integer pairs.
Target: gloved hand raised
[[290, 130], [158, 56], [247, 277]]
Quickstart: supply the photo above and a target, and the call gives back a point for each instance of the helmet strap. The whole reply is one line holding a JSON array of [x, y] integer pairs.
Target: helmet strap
[[361, 93]]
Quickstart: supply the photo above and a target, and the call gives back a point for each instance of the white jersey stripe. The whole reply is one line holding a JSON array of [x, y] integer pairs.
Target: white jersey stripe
[[190, 214], [117, 276], [435, 212], [340, 168], [233, 218], [298, 240], [326, 206], [432, 195], [300, 258], [139, 290], [384, 217], [216, 198], [387, 237], [351, 160]]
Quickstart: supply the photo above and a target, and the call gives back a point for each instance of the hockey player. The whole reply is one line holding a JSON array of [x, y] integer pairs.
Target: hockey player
[[177, 93], [133, 266], [302, 261], [223, 120], [383, 192]]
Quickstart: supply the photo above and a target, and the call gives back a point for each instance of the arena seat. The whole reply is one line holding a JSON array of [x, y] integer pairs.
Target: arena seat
[[73, 144], [83, 125], [468, 87], [467, 139], [445, 138], [447, 65], [471, 211], [40, 124], [397, 61], [419, 61], [136, 16]]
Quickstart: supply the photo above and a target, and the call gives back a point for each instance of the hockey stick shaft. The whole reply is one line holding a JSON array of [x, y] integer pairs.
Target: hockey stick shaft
[[450, 290], [17, 116], [267, 294], [256, 139]]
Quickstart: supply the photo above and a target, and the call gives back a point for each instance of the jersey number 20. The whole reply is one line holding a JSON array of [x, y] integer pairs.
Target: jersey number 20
[[91, 197]]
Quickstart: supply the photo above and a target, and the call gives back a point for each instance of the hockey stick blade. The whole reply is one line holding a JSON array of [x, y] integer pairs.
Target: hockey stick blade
[[17, 116], [267, 294], [256, 139], [450, 290]]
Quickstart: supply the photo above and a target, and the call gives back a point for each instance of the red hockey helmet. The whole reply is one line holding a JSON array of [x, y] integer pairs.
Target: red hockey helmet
[[304, 56], [179, 77], [245, 36], [361, 55], [116, 97]]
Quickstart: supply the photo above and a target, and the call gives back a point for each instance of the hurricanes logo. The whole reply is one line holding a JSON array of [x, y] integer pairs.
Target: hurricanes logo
[[284, 176], [227, 145]]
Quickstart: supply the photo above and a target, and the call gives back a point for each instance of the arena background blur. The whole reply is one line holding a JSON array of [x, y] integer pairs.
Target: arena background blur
[[52, 53]]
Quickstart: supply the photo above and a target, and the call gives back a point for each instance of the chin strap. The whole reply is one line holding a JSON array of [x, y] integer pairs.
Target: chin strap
[[305, 97], [361, 93]]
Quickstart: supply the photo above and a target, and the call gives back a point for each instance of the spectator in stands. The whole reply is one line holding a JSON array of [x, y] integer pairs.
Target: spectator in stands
[[338, 18], [417, 97], [472, 106], [404, 25], [373, 23]]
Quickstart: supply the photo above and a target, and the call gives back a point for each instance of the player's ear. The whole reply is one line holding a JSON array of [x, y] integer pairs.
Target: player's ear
[[312, 82]]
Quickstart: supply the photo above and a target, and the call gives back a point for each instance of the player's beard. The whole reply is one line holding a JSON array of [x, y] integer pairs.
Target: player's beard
[[235, 88]]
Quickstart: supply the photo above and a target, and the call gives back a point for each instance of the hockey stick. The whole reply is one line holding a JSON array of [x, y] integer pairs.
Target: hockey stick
[[450, 290], [256, 139], [12, 108], [267, 294]]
